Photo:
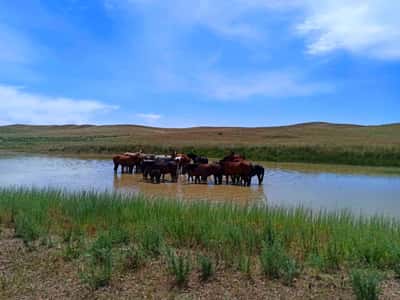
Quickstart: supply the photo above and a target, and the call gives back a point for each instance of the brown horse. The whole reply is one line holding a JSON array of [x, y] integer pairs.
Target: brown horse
[[127, 163], [199, 172], [182, 160], [138, 157], [238, 168]]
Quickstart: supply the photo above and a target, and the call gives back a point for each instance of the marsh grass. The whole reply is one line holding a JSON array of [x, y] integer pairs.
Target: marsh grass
[[133, 258], [328, 240], [179, 266], [73, 249], [98, 264], [366, 284], [244, 265], [26, 228], [207, 268]]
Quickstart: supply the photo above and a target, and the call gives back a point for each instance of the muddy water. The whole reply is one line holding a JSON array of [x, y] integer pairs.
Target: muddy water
[[361, 190]]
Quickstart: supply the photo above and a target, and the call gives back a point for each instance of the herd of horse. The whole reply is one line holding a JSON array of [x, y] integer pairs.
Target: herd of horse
[[236, 169]]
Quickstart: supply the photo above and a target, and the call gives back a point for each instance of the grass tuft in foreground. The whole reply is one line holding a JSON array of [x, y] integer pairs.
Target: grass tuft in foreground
[[366, 284]]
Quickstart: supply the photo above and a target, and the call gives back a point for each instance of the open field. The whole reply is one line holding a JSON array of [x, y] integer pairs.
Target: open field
[[60, 245], [312, 142]]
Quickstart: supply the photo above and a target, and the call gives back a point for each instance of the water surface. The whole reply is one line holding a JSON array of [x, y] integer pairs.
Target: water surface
[[361, 190]]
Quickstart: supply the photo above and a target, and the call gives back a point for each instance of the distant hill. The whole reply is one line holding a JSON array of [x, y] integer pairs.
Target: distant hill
[[311, 142], [317, 133]]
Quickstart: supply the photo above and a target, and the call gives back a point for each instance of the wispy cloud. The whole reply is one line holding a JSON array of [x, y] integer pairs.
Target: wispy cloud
[[268, 84], [19, 106], [369, 27], [226, 18], [148, 118]]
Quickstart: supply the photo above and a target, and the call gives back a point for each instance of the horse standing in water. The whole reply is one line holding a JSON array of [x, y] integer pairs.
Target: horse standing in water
[[239, 169], [259, 171], [182, 160]]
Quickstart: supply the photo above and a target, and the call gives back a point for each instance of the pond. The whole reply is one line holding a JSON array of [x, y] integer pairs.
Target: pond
[[358, 189]]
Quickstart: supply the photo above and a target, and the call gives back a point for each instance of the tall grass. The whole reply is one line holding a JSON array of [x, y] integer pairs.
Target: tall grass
[[223, 230]]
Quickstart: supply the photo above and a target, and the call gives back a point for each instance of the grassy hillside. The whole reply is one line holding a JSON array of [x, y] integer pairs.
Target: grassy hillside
[[311, 142]]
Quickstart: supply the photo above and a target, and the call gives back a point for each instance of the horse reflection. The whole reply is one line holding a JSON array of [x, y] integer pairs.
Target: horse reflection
[[182, 190]]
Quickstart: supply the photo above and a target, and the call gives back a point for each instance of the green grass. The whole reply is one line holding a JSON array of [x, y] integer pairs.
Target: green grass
[[334, 240], [179, 266], [207, 268], [97, 268], [366, 284], [311, 143]]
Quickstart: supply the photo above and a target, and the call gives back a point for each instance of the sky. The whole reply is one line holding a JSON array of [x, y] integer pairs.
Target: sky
[[183, 63]]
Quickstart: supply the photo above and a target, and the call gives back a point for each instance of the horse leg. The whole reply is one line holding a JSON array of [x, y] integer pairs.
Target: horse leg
[[116, 165], [227, 179]]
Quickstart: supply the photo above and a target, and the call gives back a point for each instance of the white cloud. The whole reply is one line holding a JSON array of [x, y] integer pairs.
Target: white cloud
[[18, 106], [272, 84], [148, 118], [368, 27], [365, 27]]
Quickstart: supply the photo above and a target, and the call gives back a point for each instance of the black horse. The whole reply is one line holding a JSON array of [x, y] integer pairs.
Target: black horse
[[164, 166], [198, 159], [258, 171]]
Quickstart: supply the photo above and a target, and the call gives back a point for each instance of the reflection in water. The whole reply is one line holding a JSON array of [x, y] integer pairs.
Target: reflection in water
[[311, 186], [189, 191]]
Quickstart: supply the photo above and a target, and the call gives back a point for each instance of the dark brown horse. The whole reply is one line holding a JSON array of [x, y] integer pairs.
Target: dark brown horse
[[238, 168], [200, 172], [234, 157]]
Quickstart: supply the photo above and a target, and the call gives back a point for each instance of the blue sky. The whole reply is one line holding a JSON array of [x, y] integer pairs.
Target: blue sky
[[178, 63]]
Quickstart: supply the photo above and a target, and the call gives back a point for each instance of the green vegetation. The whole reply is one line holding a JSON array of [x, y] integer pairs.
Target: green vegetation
[[104, 232], [26, 228], [133, 257], [97, 268], [276, 263], [206, 267], [366, 284], [178, 266], [313, 143]]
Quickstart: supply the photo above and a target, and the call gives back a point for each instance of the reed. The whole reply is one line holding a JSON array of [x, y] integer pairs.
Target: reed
[[334, 240]]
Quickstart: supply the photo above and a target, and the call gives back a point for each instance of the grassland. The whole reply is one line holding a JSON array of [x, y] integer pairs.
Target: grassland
[[113, 246], [312, 142]]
